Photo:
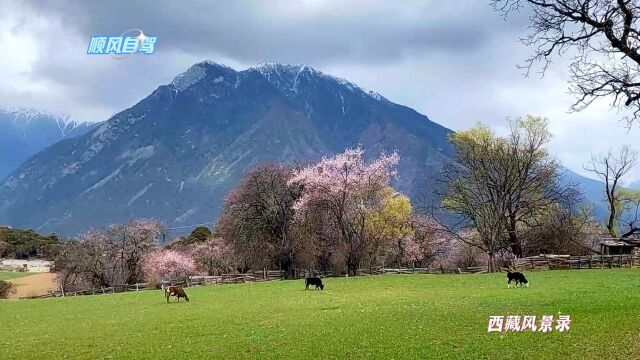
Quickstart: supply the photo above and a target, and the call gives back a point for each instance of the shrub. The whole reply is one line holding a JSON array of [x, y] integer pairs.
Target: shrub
[[153, 281], [6, 289]]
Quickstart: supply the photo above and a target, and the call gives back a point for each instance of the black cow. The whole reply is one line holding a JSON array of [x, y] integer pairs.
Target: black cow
[[313, 281], [517, 277]]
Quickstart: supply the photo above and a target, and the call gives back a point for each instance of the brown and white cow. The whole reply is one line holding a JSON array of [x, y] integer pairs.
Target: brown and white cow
[[176, 291]]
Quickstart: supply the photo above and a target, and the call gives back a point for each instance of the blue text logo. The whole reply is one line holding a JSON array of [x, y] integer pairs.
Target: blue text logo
[[120, 47]]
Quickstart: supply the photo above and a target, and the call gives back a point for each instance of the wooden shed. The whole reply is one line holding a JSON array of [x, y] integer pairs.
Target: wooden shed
[[619, 246]]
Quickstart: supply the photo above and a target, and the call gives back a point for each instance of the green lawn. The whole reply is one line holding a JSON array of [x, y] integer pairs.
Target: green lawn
[[7, 275], [384, 317]]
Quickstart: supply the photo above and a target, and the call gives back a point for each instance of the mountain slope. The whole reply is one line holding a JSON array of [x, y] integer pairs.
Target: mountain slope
[[593, 192], [25, 132], [177, 153]]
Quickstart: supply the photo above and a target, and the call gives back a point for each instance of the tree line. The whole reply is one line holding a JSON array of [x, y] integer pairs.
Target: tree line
[[24, 244], [501, 197]]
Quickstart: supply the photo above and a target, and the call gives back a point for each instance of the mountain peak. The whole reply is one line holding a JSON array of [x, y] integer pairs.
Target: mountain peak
[[199, 135], [29, 114], [288, 76], [198, 72]]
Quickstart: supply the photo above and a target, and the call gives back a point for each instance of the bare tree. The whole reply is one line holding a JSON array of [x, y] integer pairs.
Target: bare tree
[[107, 257], [611, 168], [563, 231], [258, 218], [601, 36]]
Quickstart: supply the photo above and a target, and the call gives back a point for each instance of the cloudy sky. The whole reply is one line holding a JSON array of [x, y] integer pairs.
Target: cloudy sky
[[454, 61]]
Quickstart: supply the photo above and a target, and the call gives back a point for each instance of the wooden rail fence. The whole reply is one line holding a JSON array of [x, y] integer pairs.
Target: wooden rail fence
[[557, 262], [541, 262]]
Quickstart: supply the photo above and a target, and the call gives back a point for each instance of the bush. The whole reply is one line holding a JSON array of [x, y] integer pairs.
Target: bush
[[6, 289], [153, 281]]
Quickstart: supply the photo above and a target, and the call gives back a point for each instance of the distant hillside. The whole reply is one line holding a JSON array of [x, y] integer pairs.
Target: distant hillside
[[25, 132], [18, 243], [593, 191]]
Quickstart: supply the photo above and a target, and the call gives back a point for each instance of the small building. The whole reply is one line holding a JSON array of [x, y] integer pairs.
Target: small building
[[35, 265], [620, 246]]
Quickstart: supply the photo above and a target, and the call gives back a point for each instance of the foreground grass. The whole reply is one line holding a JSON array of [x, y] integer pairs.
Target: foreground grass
[[384, 317], [8, 275]]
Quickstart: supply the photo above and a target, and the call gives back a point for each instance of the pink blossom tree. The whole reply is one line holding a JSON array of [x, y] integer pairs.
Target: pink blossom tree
[[349, 189], [169, 265], [107, 257], [214, 256]]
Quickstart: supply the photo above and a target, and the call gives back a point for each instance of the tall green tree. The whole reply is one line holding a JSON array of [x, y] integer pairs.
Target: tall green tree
[[499, 186]]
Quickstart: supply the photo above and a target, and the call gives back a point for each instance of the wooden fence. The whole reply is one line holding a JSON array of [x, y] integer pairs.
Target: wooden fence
[[234, 278], [256, 276], [557, 262], [541, 262]]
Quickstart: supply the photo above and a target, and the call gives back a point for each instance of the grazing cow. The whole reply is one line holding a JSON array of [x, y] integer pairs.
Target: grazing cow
[[176, 291], [313, 281], [517, 277]]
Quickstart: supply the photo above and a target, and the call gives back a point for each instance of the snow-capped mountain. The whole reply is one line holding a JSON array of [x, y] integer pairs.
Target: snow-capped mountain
[[176, 154], [24, 132]]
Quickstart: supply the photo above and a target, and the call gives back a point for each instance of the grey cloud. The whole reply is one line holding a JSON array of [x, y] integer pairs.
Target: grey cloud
[[329, 32], [451, 60]]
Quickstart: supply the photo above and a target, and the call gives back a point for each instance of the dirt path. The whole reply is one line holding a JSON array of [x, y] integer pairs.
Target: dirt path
[[32, 285]]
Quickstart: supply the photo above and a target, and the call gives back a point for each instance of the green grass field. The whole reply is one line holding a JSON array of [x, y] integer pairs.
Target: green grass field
[[384, 317], [7, 275]]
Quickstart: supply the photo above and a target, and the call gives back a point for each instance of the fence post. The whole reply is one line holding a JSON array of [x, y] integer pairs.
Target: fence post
[[548, 263], [590, 260]]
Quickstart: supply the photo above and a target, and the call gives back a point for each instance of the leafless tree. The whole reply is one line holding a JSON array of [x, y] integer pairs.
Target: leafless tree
[[258, 217], [611, 168], [563, 231], [107, 257], [602, 37]]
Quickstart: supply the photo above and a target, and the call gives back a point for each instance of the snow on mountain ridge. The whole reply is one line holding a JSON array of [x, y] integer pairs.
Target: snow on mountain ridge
[[26, 115], [290, 74], [285, 76], [194, 74]]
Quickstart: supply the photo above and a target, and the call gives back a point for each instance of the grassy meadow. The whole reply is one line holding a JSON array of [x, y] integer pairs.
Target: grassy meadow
[[383, 317], [8, 275]]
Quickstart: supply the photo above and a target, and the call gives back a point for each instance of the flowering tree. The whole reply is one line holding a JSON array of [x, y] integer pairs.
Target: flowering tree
[[107, 257], [169, 265], [214, 256], [126, 246], [348, 189]]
